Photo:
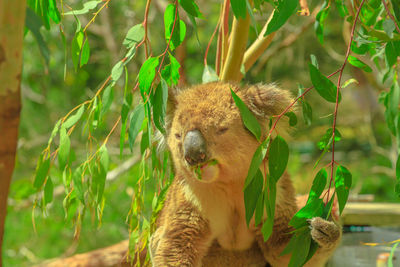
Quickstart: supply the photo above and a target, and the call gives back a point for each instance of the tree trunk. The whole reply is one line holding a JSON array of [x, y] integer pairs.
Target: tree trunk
[[12, 21]]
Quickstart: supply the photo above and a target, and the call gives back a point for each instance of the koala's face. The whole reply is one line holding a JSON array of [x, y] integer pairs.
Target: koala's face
[[207, 137]]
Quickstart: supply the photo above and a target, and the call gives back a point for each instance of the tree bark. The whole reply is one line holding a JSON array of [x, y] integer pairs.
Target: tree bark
[[12, 21]]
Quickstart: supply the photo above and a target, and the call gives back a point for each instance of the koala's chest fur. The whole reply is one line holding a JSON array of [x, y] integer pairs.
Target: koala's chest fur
[[222, 205]]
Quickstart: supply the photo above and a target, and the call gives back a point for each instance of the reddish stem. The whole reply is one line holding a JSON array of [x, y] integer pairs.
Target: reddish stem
[[338, 91]]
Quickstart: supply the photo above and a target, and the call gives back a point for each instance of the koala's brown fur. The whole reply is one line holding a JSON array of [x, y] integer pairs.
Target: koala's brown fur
[[203, 222]]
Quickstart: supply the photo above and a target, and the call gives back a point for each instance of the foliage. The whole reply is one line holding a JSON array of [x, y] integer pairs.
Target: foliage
[[374, 37]]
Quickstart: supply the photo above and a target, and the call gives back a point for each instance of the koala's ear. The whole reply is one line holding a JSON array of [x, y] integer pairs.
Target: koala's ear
[[266, 99]]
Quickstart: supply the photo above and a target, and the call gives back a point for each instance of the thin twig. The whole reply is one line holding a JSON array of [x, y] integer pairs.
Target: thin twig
[[391, 15]]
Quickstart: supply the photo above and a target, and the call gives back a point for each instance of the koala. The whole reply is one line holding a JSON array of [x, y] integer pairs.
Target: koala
[[203, 221]]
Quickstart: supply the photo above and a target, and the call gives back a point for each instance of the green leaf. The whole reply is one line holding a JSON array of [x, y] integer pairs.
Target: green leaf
[[361, 50], [382, 36], [147, 73], [42, 171], [314, 60], [48, 191], [117, 71], [343, 182], [318, 185], [76, 47], [359, 64], [34, 23], [85, 53], [135, 124], [251, 195], [396, 9], [259, 212], [307, 112], [256, 161], [78, 186], [160, 105], [292, 118], [134, 36], [326, 139], [278, 157], [312, 209], [341, 6], [87, 6], [170, 73], [391, 255], [209, 75], [53, 12], [175, 29], [104, 162], [74, 118], [54, 132], [282, 12], [107, 99], [64, 148], [191, 8], [302, 245], [319, 22], [390, 54], [398, 168], [239, 8], [270, 199], [248, 118], [323, 85]]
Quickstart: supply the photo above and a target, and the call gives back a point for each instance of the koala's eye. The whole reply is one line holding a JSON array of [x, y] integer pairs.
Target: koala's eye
[[222, 130], [178, 136]]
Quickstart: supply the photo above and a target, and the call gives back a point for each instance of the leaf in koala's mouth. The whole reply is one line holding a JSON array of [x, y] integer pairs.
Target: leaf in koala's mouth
[[206, 170]]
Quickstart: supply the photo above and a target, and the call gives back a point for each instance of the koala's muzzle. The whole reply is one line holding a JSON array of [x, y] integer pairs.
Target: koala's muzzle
[[194, 148]]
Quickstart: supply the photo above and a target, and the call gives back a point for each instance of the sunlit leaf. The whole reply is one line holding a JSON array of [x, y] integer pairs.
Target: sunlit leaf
[[76, 47], [314, 208], [107, 99], [175, 28], [53, 12], [147, 73], [282, 12], [117, 71], [359, 64], [248, 118], [278, 157], [326, 140], [85, 53], [323, 85], [343, 180], [341, 6], [319, 21], [348, 82], [170, 73], [318, 185]]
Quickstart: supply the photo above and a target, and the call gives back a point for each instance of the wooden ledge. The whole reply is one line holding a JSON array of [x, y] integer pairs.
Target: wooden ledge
[[377, 214]]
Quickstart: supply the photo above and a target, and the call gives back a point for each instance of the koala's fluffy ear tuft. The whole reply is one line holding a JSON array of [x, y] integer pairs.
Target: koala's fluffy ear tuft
[[173, 92], [266, 99]]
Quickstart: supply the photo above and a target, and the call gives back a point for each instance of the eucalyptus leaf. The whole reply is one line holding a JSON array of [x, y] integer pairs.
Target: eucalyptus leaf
[[343, 180], [278, 157]]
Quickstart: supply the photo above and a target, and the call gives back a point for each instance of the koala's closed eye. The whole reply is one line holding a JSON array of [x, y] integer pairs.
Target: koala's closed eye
[[222, 130]]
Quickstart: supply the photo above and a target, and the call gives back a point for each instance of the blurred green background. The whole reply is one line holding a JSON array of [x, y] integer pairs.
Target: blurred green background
[[366, 148]]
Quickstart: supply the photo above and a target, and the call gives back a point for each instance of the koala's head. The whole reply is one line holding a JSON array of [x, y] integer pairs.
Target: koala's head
[[206, 135]]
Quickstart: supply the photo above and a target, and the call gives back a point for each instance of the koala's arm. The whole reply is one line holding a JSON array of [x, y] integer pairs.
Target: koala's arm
[[182, 237], [326, 233]]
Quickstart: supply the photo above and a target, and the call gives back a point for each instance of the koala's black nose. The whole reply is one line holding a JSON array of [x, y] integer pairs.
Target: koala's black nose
[[194, 147]]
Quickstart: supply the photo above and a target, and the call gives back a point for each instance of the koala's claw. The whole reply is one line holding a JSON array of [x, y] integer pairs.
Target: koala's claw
[[325, 233]]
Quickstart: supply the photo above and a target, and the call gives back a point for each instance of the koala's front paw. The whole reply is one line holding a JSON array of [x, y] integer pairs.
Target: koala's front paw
[[327, 234]]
